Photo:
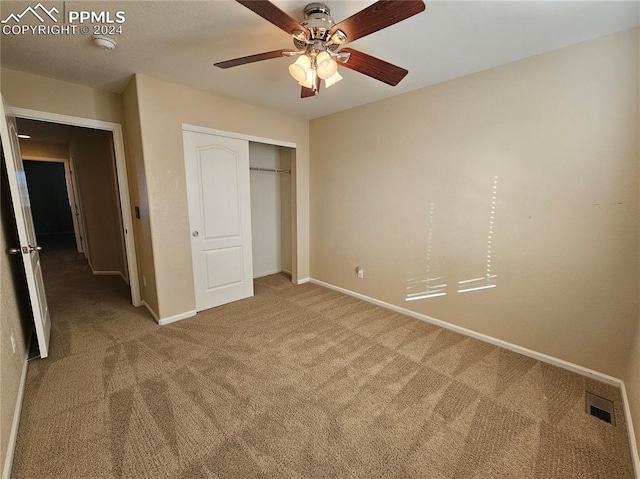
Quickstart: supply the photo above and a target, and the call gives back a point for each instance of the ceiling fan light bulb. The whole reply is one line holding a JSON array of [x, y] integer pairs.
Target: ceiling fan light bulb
[[327, 66], [300, 68], [335, 78]]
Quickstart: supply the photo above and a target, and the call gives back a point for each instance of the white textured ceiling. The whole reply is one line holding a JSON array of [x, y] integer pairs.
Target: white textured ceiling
[[180, 40]]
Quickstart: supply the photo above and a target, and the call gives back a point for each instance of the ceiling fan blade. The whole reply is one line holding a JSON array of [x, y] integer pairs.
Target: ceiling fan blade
[[381, 14], [308, 92], [273, 14], [374, 67], [252, 58]]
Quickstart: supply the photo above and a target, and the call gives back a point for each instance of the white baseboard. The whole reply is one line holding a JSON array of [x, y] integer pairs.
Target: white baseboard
[[13, 435], [170, 319], [306, 280], [286, 271], [177, 317], [635, 457], [482, 337]]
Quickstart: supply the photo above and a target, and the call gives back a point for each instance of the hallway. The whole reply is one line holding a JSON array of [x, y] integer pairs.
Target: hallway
[[87, 311]]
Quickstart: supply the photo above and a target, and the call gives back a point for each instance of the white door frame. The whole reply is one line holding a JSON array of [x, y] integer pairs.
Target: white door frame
[[78, 228], [123, 181], [294, 203]]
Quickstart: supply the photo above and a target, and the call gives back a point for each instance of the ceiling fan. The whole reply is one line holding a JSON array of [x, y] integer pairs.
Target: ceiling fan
[[318, 41]]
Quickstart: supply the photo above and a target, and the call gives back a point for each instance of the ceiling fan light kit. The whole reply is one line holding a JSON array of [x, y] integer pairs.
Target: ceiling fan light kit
[[317, 40]]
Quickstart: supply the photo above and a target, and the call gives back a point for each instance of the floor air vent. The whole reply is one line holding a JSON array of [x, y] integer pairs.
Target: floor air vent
[[600, 407]]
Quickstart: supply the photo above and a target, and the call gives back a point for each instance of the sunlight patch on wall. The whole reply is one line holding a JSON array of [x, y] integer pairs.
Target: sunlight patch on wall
[[488, 280], [432, 284], [429, 287]]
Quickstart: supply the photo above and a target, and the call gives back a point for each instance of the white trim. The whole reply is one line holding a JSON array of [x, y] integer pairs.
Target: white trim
[[635, 458], [482, 337], [78, 213], [13, 435], [177, 317], [170, 319], [123, 182], [285, 271], [238, 136], [307, 279]]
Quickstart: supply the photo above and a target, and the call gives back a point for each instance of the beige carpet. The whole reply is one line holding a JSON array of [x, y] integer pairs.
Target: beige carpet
[[297, 382]]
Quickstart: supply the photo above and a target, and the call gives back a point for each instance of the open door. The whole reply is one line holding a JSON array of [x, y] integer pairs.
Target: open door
[[28, 248]]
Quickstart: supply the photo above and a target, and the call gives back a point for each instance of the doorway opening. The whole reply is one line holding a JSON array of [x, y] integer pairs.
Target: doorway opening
[[51, 205], [270, 174], [75, 205], [91, 153]]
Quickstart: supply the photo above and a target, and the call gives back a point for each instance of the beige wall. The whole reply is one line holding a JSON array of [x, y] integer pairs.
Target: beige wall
[[632, 376], [163, 108], [92, 156], [410, 196], [34, 92], [139, 197], [37, 149], [10, 323]]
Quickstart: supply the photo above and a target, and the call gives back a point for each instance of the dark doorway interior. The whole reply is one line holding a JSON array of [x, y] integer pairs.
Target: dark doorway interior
[[49, 197]]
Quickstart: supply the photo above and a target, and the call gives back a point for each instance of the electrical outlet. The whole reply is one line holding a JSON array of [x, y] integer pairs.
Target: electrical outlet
[[13, 343], [144, 281], [360, 272]]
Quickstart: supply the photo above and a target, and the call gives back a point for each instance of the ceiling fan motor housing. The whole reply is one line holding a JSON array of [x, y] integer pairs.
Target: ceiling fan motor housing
[[317, 18]]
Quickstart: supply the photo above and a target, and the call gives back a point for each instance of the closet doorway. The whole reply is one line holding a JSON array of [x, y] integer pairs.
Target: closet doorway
[[271, 228], [231, 245]]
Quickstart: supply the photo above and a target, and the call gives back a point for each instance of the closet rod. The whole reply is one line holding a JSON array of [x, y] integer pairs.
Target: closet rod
[[272, 170]]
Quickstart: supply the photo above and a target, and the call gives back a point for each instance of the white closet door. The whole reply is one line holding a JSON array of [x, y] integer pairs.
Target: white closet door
[[218, 189]]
